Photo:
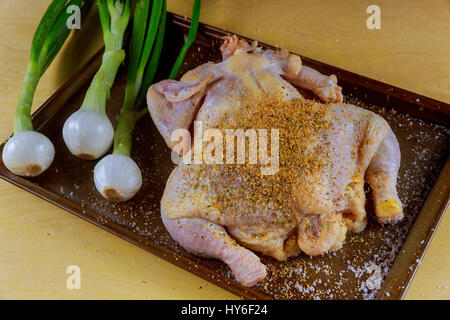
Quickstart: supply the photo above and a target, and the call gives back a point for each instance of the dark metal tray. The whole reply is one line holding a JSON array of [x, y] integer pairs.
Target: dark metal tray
[[394, 252]]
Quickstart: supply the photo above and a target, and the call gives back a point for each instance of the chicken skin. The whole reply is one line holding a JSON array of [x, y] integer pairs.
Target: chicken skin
[[327, 151]]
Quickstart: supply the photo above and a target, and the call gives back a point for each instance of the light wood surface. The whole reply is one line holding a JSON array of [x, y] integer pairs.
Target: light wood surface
[[38, 241]]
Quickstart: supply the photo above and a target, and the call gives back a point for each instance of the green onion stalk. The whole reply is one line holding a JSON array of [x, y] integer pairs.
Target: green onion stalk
[[27, 152], [88, 132], [192, 34], [117, 177]]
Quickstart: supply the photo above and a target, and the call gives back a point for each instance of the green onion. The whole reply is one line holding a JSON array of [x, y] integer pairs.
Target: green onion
[[29, 153], [117, 177], [189, 41], [88, 133]]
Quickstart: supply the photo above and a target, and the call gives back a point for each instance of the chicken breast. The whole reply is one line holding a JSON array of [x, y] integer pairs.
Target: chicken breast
[[326, 152]]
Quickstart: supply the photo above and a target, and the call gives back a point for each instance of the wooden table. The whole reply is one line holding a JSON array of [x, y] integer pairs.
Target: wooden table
[[39, 241]]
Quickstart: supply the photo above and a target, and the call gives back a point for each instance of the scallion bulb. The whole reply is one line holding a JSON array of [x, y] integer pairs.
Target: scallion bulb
[[28, 153], [88, 134], [117, 177]]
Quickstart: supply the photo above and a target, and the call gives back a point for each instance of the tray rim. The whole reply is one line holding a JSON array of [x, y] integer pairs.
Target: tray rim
[[85, 73]]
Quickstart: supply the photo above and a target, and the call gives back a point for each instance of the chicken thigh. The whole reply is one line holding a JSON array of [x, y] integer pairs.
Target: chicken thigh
[[329, 149]]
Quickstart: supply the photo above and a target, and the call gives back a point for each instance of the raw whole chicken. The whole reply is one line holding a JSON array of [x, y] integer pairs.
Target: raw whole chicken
[[327, 150]]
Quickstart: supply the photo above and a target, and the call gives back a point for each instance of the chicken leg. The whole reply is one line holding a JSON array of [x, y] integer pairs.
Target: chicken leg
[[382, 177], [211, 240]]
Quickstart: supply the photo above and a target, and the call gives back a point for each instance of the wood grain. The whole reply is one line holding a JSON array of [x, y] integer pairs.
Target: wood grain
[[40, 240]]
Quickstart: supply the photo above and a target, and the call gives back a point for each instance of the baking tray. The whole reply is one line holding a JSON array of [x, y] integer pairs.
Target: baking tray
[[377, 263]]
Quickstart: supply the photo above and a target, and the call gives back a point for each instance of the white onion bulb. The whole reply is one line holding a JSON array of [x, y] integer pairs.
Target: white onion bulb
[[117, 177], [88, 134], [28, 153]]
